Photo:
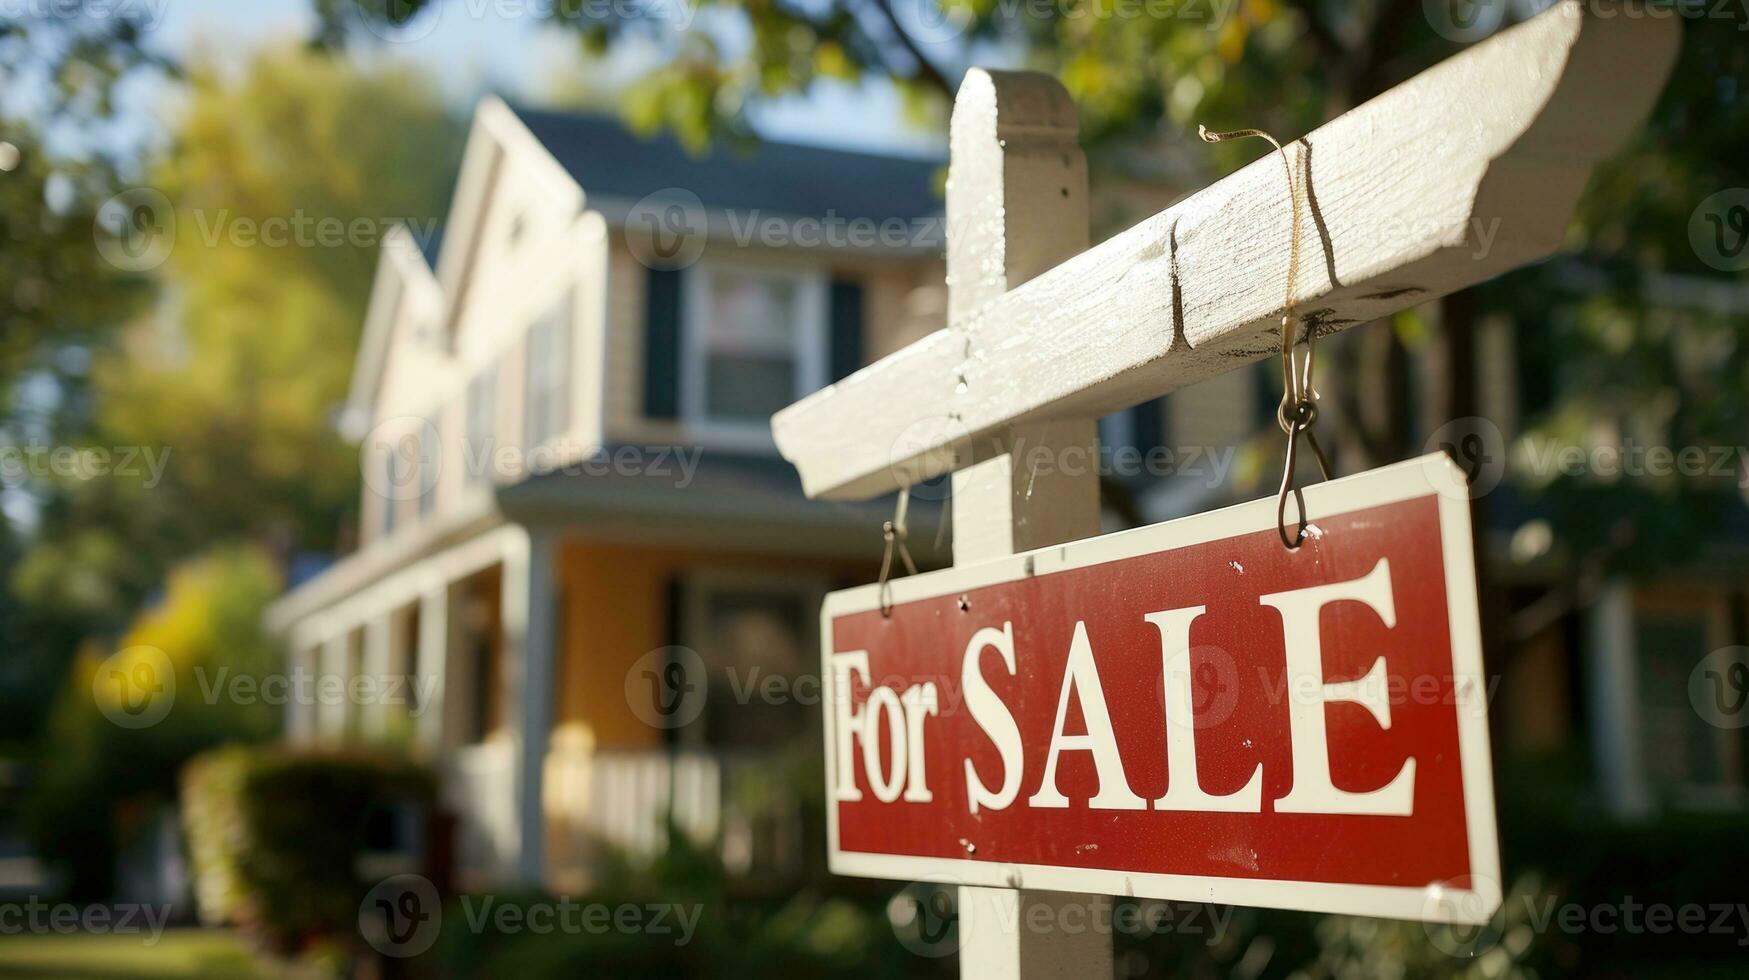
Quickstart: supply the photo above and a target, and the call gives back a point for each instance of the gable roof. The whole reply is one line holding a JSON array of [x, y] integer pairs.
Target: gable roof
[[609, 160]]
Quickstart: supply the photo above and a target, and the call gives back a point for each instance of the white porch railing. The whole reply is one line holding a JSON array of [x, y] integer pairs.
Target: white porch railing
[[622, 800], [479, 787]]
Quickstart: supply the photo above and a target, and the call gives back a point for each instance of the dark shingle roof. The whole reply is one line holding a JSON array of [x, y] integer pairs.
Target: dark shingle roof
[[609, 160]]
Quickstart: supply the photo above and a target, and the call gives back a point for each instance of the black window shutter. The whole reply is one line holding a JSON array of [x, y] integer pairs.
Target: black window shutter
[[846, 315], [1148, 422], [662, 344]]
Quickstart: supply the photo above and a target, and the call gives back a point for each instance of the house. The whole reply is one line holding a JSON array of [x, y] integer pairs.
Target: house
[[575, 527]]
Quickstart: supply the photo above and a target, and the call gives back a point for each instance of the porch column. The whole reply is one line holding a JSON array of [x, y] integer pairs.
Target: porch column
[[379, 639], [431, 668], [1615, 714], [331, 712], [300, 715], [529, 659]]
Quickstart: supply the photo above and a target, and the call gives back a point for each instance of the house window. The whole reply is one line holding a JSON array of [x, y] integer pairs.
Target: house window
[[479, 441], [755, 342], [749, 630], [548, 412]]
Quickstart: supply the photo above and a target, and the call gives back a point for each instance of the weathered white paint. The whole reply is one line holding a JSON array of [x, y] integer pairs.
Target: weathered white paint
[[1465, 171], [1016, 205]]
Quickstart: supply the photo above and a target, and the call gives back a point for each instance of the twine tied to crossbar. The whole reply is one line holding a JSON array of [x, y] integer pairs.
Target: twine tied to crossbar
[[1299, 400]]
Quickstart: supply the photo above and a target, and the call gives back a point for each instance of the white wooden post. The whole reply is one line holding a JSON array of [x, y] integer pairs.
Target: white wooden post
[[529, 663], [379, 642], [1016, 206], [432, 666]]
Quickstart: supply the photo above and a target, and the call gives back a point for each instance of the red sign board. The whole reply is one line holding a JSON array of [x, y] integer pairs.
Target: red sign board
[[1186, 711]]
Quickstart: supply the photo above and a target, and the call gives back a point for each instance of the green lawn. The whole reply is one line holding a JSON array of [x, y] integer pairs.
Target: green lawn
[[180, 954]]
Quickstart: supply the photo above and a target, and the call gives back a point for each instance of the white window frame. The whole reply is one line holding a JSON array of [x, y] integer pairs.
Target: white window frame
[[810, 351], [699, 585], [561, 312]]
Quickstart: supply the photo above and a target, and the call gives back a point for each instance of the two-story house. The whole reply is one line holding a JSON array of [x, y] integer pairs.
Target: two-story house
[[563, 413]]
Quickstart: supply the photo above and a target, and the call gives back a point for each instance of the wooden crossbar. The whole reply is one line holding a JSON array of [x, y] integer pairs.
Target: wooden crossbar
[[1468, 170]]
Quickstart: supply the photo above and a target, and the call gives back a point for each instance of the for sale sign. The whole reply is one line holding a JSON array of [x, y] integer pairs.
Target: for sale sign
[[1184, 711]]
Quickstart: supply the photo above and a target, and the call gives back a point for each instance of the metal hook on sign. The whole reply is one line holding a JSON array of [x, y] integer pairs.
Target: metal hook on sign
[[895, 533], [1299, 400]]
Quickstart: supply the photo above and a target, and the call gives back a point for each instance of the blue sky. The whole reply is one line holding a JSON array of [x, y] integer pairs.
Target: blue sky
[[475, 46]]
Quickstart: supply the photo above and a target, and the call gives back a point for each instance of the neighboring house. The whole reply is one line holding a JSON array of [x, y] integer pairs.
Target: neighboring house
[[568, 469]]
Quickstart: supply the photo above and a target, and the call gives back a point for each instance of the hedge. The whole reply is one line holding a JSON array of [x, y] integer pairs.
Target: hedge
[[275, 835]]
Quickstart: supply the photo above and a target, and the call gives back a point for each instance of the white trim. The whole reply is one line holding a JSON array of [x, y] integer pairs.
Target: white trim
[[809, 350], [1412, 479]]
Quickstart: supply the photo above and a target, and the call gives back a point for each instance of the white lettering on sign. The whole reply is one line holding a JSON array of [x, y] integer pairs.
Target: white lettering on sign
[[1183, 790], [992, 717], [1313, 792], [902, 717], [1114, 788], [902, 714]]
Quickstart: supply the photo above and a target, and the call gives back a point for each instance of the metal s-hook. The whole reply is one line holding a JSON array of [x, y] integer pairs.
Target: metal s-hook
[[895, 532], [1299, 400]]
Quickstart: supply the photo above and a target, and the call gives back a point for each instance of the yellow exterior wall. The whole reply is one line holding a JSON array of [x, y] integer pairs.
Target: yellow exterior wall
[[614, 609]]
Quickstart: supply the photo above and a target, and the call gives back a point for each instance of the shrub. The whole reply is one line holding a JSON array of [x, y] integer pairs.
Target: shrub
[[276, 834]]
